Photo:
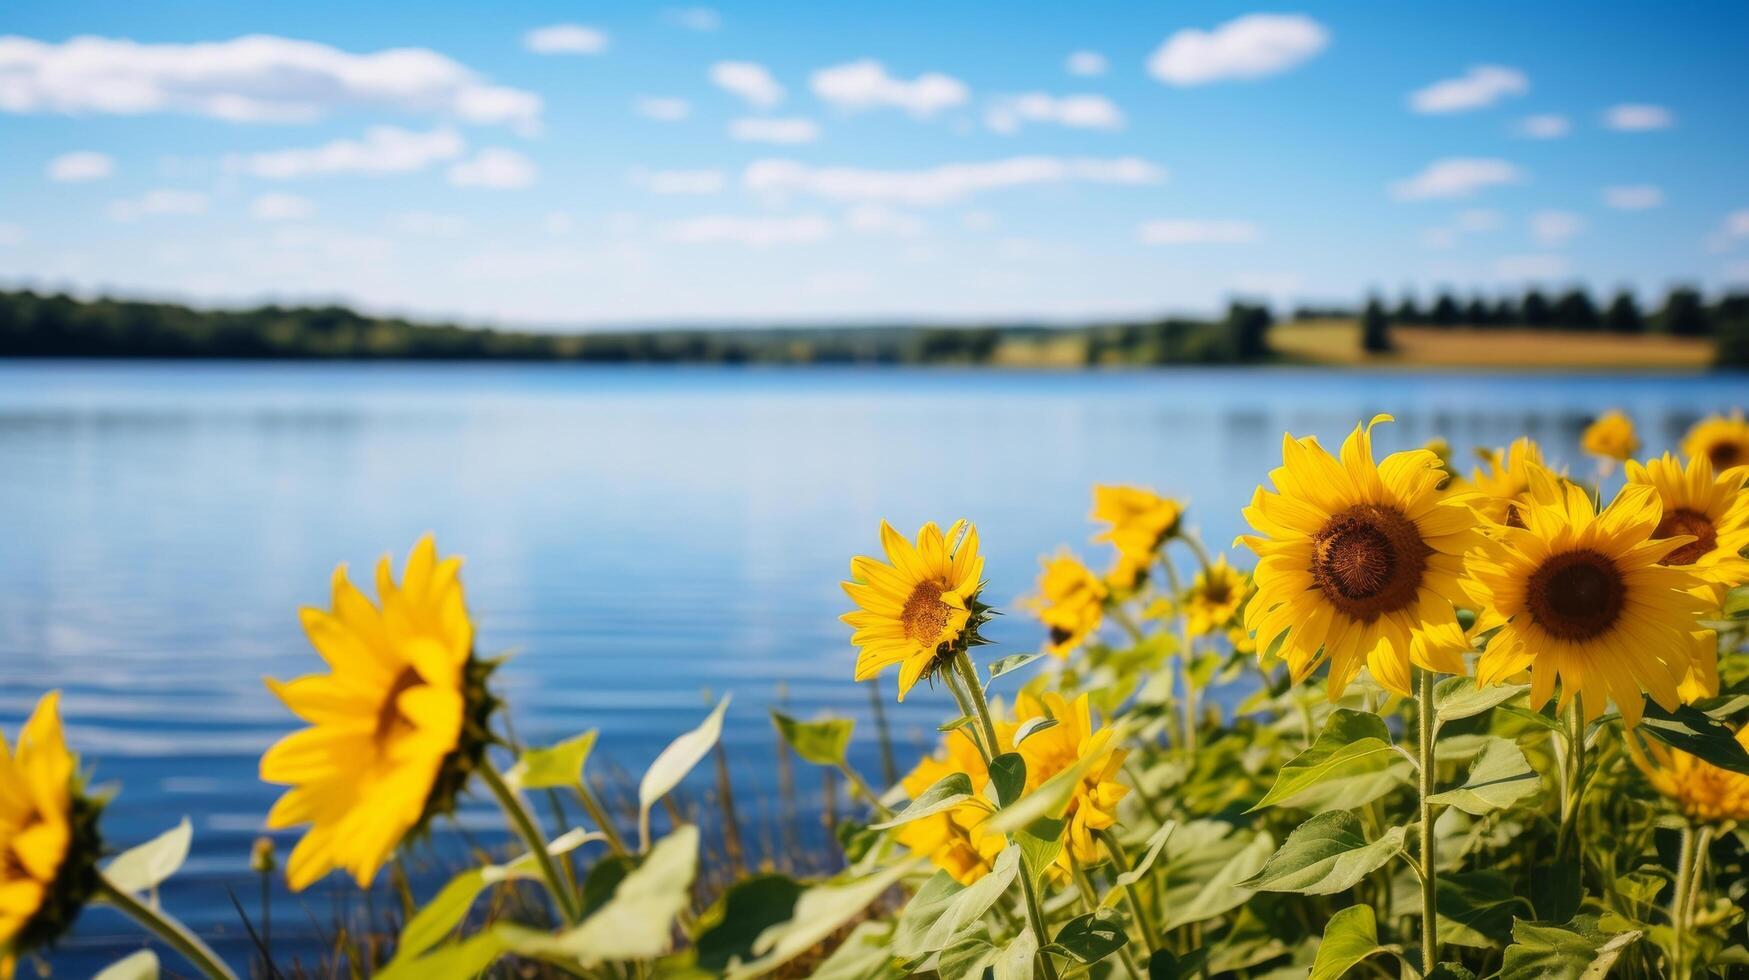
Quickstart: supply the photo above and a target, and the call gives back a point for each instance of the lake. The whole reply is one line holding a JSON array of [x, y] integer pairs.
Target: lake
[[636, 537]]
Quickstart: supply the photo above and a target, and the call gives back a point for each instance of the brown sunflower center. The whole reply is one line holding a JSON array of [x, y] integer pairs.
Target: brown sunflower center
[[390, 719], [1685, 521], [1216, 593], [925, 614], [1368, 561], [1724, 454], [1576, 595]]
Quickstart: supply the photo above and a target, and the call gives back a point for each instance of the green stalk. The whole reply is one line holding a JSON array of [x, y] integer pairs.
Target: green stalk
[[1138, 910], [172, 933], [962, 662], [1679, 906], [861, 788], [523, 822], [1187, 703], [599, 814], [1090, 899], [1429, 888]]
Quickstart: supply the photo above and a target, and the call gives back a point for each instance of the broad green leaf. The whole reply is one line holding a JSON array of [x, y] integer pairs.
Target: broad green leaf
[[142, 965], [1222, 890], [750, 907], [1459, 697], [943, 912], [1534, 717], [1008, 776], [1092, 937], [1015, 960], [637, 923], [555, 766], [1012, 663], [866, 954], [1325, 855], [951, 790], [143, 868], [675, 762], [821, 742], [960, 722], [1691, 730], [1350, 764], [1575, 950], [1139, 870], [966, 957], [1040, 843], [821, 911], [468, 958], [1032, 726], [1350, 936], [1475, 908], [1500, 777]]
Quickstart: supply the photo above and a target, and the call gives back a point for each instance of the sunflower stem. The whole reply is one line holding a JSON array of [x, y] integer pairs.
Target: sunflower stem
[[171, 932], [1196, 547], [1429, 887], [1144, 919], [523, 822], [962, 662], [1679, 903], [1090, 900], [599, 814]]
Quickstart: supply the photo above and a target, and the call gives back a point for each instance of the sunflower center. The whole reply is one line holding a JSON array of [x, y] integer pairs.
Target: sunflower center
[[390, 720], [925, 614], [1576, 595], [1724, 455], [1368, 561], [1216, 593], [1685, 521]]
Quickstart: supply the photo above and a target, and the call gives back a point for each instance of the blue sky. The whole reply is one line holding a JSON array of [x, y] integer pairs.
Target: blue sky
[[553, 164]]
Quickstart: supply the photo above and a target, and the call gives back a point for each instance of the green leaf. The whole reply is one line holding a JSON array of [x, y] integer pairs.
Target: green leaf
[[1475, 908], [1691, 730], [1534, 717], [1325, 855], [822, 742], [1350, 936], [1156, 841], [1032, 726], [821, 911], [951, 790], [960, 722], [943, 912], [1576, 950], [1351, 764], [967, 957], [637, 923], [865, 954], [1012, 663], [1008, 775], [749, 908], [143, 868], [1459, 697], [1222, 890], [1500, 777], [1092, 937], [675, 762], [142, 965], [1164, 965], [468, 958], [1040, 843], [1016, 959], [1052, 796], [558, 765]]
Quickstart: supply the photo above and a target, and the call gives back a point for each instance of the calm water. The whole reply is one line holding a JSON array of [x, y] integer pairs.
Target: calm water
[[637, 536]]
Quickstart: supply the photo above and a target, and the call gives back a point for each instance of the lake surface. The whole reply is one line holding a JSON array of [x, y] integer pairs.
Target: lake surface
[[637, 537]]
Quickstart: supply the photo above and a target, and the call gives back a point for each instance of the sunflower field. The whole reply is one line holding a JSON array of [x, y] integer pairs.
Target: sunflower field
[[1451, 722]]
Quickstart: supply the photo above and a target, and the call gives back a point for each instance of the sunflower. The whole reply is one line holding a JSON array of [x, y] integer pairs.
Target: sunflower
[[1125, 576], [1070, 603], [1358, 562], [48, 836], [1439, 447], [1704, 792], [1611, 436], [1140, 520], [396, 724], [1214, 598], [1051, 750], [1722, 439], [1503, 481], [1712, 508], [920, 609], [954, 840], [1583, 598]]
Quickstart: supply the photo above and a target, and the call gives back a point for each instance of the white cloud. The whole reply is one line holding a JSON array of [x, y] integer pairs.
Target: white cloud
[[764, 130], [1638, 117], [1734, 227], [1252, 46], [157, 202], [878, 219], [944, 183], [1473, 220], [749, 80], [281, 207], [865, 84], [495, 168], [1197, 232], [1481, 86], [565, 39], [978, 220], [258, 78], [430, 224], [11, 235], [759, 231], [662, 109], [680, 181], [1554, 228], [1456, 177], [1075, 111], [702, 19], [1086, 63], [1530, 267], [79, 166], [1633, 197], [383, 150], [1547, 126]]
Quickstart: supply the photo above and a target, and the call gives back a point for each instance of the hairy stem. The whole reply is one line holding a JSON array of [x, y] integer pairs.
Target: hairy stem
[[1429, 887], [523, 822]]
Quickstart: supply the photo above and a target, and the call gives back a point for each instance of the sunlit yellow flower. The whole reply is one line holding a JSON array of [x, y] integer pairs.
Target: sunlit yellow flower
[[954, 840], [1214, 598], [1140, 520], [1125, 576], [1722, 439], [917, 610], [1503, 482], [1439, 447], [1061, 746], [1712, 507], [1611, 436], [1070, 603], [1358, 562], [395, 724], [1705, 792], [48, 836], [1582, 598]]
